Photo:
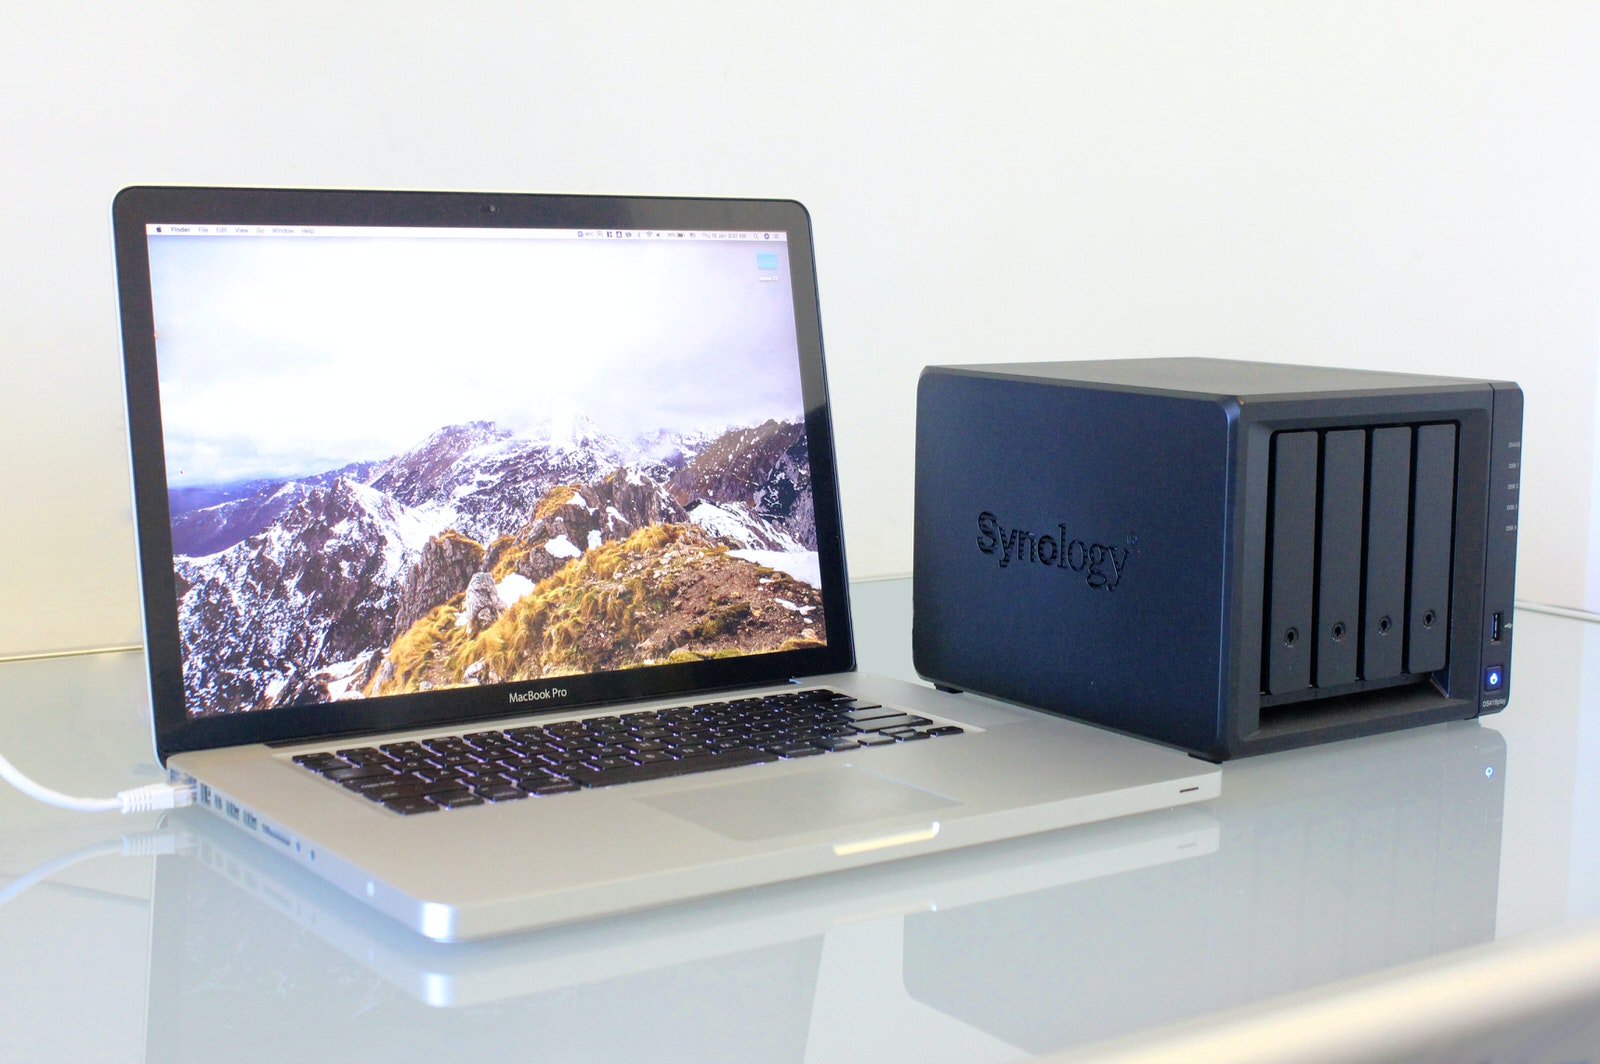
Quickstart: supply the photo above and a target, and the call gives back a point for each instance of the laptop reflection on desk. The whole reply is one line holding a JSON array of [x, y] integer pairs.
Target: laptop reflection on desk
[[1024, 946]]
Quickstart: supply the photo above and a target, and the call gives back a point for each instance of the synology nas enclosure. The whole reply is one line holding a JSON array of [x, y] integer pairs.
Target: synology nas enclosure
[[1228, 557]]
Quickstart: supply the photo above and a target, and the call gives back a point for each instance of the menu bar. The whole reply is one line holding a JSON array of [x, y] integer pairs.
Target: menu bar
[[432, 232]]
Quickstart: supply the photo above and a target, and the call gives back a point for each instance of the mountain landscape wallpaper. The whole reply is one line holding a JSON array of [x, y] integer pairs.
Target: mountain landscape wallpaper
[[480, 557], [635, 490]]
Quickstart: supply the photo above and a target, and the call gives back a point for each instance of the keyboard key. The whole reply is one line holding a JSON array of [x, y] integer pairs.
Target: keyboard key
[[873, 713], [566, 729], [340, 775], [380, 783], [364, 753], [454, 799], [505, 792], [899, 720], [536, 776], [317, 759], [408, 806]]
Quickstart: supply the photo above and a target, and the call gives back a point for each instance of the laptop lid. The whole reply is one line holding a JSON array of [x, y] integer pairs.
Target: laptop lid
[[415, 458]]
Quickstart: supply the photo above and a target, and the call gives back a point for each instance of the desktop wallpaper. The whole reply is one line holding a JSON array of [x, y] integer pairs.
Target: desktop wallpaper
[[397, 465]]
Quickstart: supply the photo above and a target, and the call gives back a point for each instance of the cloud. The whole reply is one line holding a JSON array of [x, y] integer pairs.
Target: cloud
[[292, 355]]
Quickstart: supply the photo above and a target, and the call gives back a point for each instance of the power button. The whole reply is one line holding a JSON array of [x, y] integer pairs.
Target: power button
[[1494, 677]]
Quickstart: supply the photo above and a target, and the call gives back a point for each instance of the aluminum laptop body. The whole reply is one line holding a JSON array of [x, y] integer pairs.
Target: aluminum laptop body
[[434, 476]]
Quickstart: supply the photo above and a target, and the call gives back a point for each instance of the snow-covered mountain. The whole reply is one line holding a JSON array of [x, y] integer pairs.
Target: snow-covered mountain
[[207, 520], [319, 585], [488, 480], [291, 592], [767, 468]]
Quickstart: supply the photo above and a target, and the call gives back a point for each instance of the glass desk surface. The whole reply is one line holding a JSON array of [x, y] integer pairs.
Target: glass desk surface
[[1324, 879]]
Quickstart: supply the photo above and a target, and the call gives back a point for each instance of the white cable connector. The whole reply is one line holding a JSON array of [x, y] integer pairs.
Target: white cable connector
[[158, 843], [135, 800], [161, 843], [156, 796]]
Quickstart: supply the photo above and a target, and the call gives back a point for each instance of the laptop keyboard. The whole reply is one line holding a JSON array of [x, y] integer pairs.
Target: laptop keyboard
[[452, 771]]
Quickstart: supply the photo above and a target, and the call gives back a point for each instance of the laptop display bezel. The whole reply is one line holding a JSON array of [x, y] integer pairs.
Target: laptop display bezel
[[177, 730]]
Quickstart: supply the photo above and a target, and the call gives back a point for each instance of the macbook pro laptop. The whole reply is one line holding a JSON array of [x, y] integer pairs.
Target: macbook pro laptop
[[492, 563]]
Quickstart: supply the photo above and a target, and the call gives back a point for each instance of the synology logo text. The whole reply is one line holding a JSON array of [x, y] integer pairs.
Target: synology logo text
[[1102, 566], [538, 696]]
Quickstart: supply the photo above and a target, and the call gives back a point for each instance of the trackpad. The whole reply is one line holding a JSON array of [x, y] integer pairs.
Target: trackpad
[[804, 802]]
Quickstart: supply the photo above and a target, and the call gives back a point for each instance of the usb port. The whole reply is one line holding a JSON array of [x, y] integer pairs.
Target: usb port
[[1494, 627]]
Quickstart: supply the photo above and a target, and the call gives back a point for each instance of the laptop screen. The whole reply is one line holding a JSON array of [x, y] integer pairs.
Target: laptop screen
[[511, 461]]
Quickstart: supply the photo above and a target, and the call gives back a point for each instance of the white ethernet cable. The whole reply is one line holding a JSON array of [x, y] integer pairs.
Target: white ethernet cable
[[136, 800]]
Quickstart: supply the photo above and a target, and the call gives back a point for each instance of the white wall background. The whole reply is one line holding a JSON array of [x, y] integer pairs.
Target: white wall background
[[1409, 186]]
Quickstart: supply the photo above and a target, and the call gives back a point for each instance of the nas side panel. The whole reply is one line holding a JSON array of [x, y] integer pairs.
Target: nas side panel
[[1069, 557]]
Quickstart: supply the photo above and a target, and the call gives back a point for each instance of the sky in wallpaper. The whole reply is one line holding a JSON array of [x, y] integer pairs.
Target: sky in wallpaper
[[284, 356]]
